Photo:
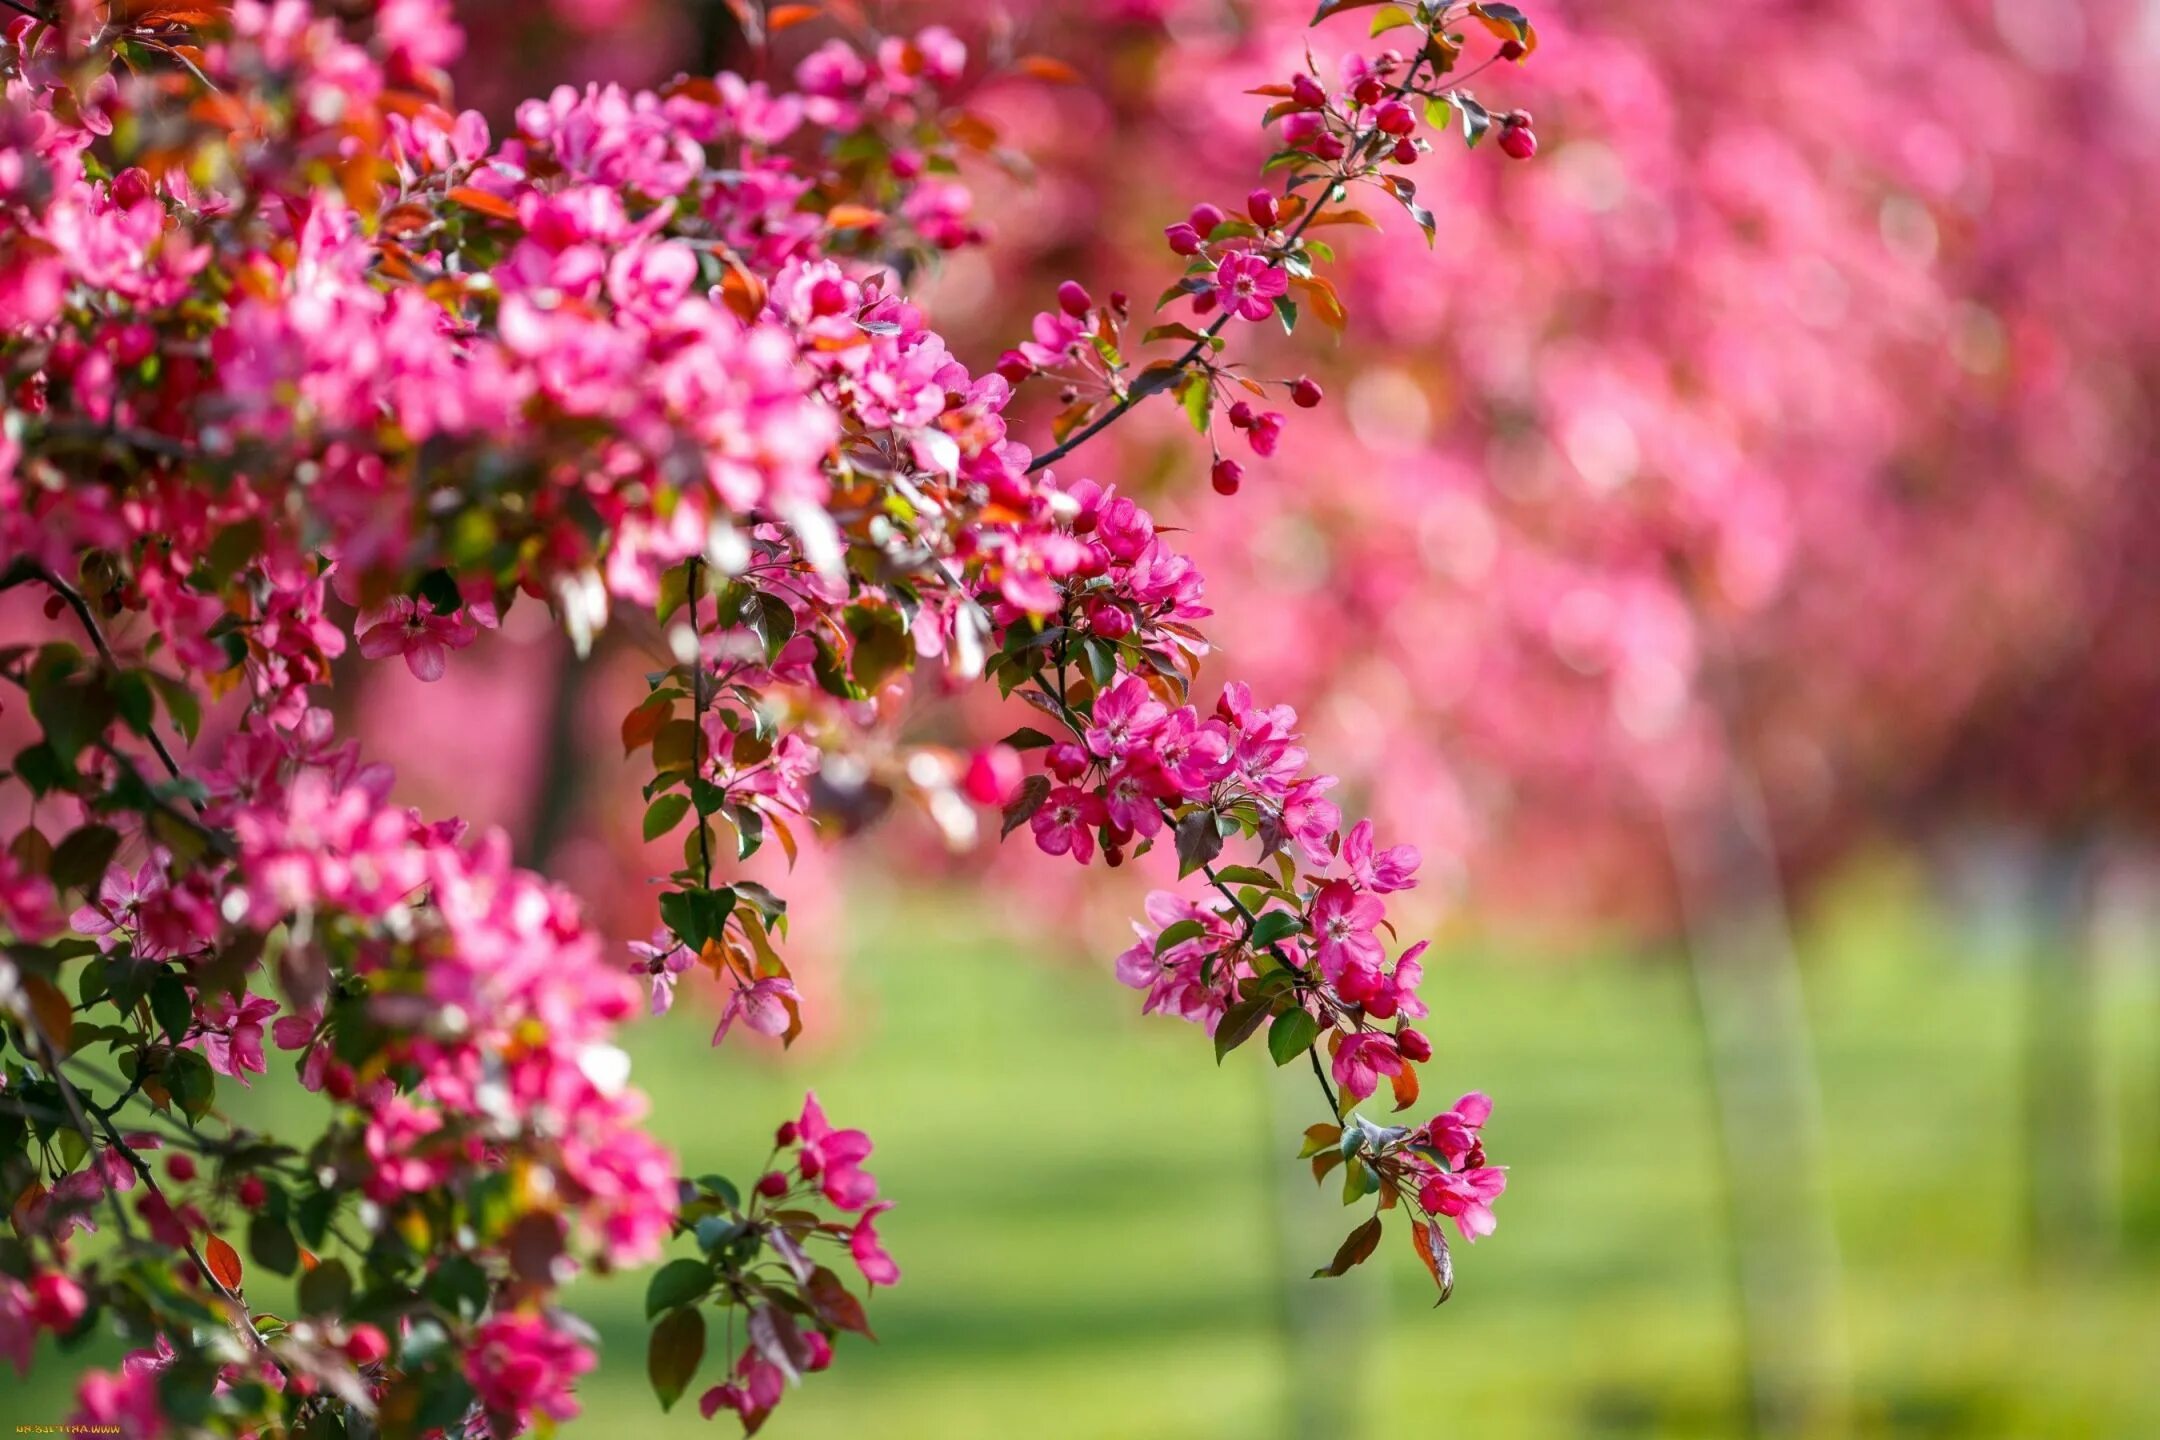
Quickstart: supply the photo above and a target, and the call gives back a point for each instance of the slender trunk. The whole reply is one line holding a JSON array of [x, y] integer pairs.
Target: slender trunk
[[1324, 1324], [1762, 1079], [2065, 1207], [561, 777]]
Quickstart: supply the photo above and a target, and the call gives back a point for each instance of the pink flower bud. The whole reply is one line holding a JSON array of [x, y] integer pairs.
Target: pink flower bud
[[1329, 147], [180, 1167], [1306, 393], [820, 1349], [251, 1192], [1413, 1044], [993, 774], [1307, 91], [1395, 118], [1367, 91], [1241, 415], [1261, 206], [772, 1185], [1518, 142], [1074, 299], [366, 1346], [1184, 240], [1068, 761], [1405, 152], [1014, 366], [1226, 476], [785, 1135], [1205, 218], [56, 1301]]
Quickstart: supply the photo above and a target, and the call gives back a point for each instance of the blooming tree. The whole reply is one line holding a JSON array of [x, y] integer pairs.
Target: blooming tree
[[297, 356]]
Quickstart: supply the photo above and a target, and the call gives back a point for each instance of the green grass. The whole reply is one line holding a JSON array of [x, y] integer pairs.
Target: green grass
[[1104, 1236]]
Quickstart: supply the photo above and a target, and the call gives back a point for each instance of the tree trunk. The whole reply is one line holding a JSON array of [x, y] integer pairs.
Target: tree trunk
[[1761, 1075]]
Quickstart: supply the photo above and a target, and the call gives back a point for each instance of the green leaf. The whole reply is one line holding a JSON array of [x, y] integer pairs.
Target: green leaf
[[1392, 18], [1195, 394], [665, 813], [170, 1005], [695, 916], [327, 1289], [674, 590], [1178, 933], [677, 1283], [1199, 840], [1239, 1023], [678, 1345], [1276, 925], [1292, 1035], [270, 1243], [1286, 311], [1028, 738], [180, 704], [79, 861]]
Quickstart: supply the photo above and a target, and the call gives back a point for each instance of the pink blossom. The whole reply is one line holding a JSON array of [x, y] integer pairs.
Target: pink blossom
[[1248, 286], [834, 1158], [1066, 822], [416, 630], [522, 1364], [1467, 1196], [1342, 923], [230, 1034], [1362, 1058], [869, 1252], [763, 1005], [1454, 1133]]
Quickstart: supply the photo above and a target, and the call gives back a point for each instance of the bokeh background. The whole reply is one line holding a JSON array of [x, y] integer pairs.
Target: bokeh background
[[1732, 554]]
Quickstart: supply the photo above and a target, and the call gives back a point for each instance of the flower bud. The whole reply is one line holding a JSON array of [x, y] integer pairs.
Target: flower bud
[[1329, 147], [1241, 415], [772, 1185], [1405, 152], [180, 1167], [1413, 1044], [1512, 50], [1226, 476], [1261, 206], [1068, 761], [1306, 393], [785, 1135], [56, 1301], [1367, 91], [820, 1349], [366, 1346], [1184, 240], [251, 1192], [1395, 118], [1014, 366], [1307, 91], [993, 774], [1074, 299], [1204, 218], [1518, 142]]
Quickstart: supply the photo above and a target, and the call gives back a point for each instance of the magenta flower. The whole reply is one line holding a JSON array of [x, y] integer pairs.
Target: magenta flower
[[231, 1035], [1362, 1059], [1380, 871], [869, 1252], [1466, 1196], [1066, 822], [1248, 286], [519, 1364], [1455, 1133], [762, 1006], [1342, 922], [405, 626], [1125, 714], [833, 1158]]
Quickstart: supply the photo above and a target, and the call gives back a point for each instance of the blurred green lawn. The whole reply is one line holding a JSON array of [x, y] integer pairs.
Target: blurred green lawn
[[1102, 1236]]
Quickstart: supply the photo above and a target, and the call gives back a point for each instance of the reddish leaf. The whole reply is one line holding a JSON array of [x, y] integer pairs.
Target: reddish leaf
[[493, 206], [1432, 1248], [1043, 67], [782, 16], [1406, 1086], [846, 216], [224, 1263], [1357, 1247]]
